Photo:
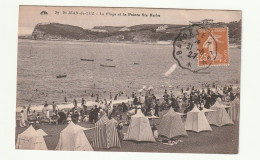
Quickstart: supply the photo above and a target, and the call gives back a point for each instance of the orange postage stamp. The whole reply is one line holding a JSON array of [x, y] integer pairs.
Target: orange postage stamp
[[213, 47]]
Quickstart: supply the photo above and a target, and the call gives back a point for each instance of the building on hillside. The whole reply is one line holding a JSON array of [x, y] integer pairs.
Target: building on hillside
[[204, 21], [124, 29], [207, 21], [162, 28], [194, 22], [98, 30], [222, 23]]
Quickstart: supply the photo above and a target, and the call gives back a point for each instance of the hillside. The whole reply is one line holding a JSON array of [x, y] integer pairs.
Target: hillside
[[137, 33], [235, 29], [58, 31]]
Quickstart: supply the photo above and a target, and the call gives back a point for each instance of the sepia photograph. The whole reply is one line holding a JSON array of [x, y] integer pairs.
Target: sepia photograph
[[128, 79]]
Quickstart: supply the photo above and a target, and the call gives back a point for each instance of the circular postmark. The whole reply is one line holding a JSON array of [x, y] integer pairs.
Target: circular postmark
[[195, 48]]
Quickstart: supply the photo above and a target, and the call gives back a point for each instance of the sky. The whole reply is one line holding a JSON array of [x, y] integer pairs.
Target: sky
[[29, 16]]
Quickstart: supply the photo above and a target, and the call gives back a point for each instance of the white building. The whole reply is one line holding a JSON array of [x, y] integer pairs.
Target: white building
[[204, 21], [162, 28], [124, 29], [98, 30]]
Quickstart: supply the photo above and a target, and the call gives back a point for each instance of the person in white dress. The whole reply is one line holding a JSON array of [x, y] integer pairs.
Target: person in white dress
[[22, 121], [25, 113]]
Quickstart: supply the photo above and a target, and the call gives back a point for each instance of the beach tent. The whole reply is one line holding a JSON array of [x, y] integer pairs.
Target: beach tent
[[31, 139], [150, 88], [106, 135], [220, 117], [41, 132], [73, 138], [234, 111], [139, 128], [131, 112], [171, 125], [197, 121]]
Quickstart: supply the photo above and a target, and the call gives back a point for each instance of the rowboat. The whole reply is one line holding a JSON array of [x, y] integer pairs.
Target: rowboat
[[109, 59], [102, 65], [84, 59], [61, 76]]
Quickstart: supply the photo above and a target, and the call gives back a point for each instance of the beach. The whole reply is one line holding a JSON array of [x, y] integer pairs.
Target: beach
[[222, 140]]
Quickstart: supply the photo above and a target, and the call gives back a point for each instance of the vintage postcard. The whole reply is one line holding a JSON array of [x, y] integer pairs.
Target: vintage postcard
[[128, 80]]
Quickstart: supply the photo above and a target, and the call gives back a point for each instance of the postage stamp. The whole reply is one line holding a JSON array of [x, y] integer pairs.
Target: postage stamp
[[198, 47], [213, 47]]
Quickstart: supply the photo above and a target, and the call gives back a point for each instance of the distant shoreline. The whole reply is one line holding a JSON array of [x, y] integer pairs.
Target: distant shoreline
[[122, 42], [169, 43]]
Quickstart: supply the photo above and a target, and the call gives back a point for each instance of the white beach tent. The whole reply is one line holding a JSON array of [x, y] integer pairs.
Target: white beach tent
[[234, 111], [73, 138], [197, 121], [139, 128], [30, 139], [220, 117], [41, 132], [171, 125]]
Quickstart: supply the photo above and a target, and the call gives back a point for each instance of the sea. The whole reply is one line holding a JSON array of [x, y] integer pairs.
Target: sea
[[39, 63]]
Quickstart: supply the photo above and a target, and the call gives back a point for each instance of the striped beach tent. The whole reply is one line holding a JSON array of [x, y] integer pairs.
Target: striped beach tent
[[139, 128], [171, 125], [106, 135], [234, 111], [220, 117], [73, 138], [197, 121]]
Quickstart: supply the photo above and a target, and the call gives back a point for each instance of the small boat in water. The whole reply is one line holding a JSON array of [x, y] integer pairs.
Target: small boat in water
[[61, 76], [84, 59], [136, 63], [102, 65], [109, 59]]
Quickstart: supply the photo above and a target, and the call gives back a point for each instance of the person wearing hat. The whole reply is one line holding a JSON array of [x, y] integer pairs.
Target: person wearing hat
[[69, 118], [29, 110], [95, 112], [83, 101], [173, 102], [208, 101], [178, 103], [135, 101], [166, 97], [91, 115], [119, 131], [75, 102], [45, 104], [55, 108], [45, 110], [201, 107], [133, 95], [25, 113], [191, 106], [156, 109], [65, 99]]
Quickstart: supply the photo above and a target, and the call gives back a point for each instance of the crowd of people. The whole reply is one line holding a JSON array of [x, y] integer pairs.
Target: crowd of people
[[181, 101]]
